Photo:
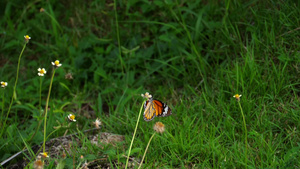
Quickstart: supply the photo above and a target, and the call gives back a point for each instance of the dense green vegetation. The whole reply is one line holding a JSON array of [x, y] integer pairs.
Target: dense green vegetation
[[194, 55]]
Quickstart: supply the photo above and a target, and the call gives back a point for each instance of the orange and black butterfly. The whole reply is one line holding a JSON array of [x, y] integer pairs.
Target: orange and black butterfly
[[155, 108]]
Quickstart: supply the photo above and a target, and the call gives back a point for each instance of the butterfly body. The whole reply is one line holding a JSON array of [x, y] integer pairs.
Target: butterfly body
[[155, 108]]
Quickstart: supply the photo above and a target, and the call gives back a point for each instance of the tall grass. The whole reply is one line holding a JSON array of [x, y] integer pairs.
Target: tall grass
[[194, 55], [14, 89]]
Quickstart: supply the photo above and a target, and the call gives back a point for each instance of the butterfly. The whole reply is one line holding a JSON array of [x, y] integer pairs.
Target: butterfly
[[155, 108]]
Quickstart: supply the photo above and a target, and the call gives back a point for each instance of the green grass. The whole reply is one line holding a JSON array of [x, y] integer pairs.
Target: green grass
[[193, 55]]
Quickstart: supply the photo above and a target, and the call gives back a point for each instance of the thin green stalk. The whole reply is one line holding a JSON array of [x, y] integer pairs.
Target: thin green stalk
[[46, 110], [137, 123], [2, 106], [46, 139], [14, 91], [40, 101], [146, 150], [52, 133], [246, 134]]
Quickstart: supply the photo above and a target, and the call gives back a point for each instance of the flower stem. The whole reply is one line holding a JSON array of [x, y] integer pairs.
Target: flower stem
[[46, 110], [146, 150], [40, 101], [14, 92], [134, 134], [2, 107], [246, 134]]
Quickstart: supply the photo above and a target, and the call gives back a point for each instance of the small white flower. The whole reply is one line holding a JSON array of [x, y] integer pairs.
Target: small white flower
[[27, 37], [71, 117], [3, 84], [146, 95], [44, 155], [56, 63], [97, 123], [41, 72], [237, 96]]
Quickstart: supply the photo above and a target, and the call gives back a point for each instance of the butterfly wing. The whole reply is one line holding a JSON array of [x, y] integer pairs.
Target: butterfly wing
[[150, 110], [155, 108], [162, 109]]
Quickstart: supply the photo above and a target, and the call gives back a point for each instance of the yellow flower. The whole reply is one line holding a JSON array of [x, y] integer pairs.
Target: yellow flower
[[27, 37], [159, 127], [97, 123], [146, 95], [56, 63], [41, 71], [237, 96], [71, 117], [44, 154], [3, 84], [42, 10]]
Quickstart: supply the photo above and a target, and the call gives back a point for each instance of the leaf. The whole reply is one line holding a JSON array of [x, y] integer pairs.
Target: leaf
[[65, 86], [126, 51], [111, 153], [90, 157], [11, 44], [61, 164], [100, 72], [158, 3], [165, 38], [133, 151]]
